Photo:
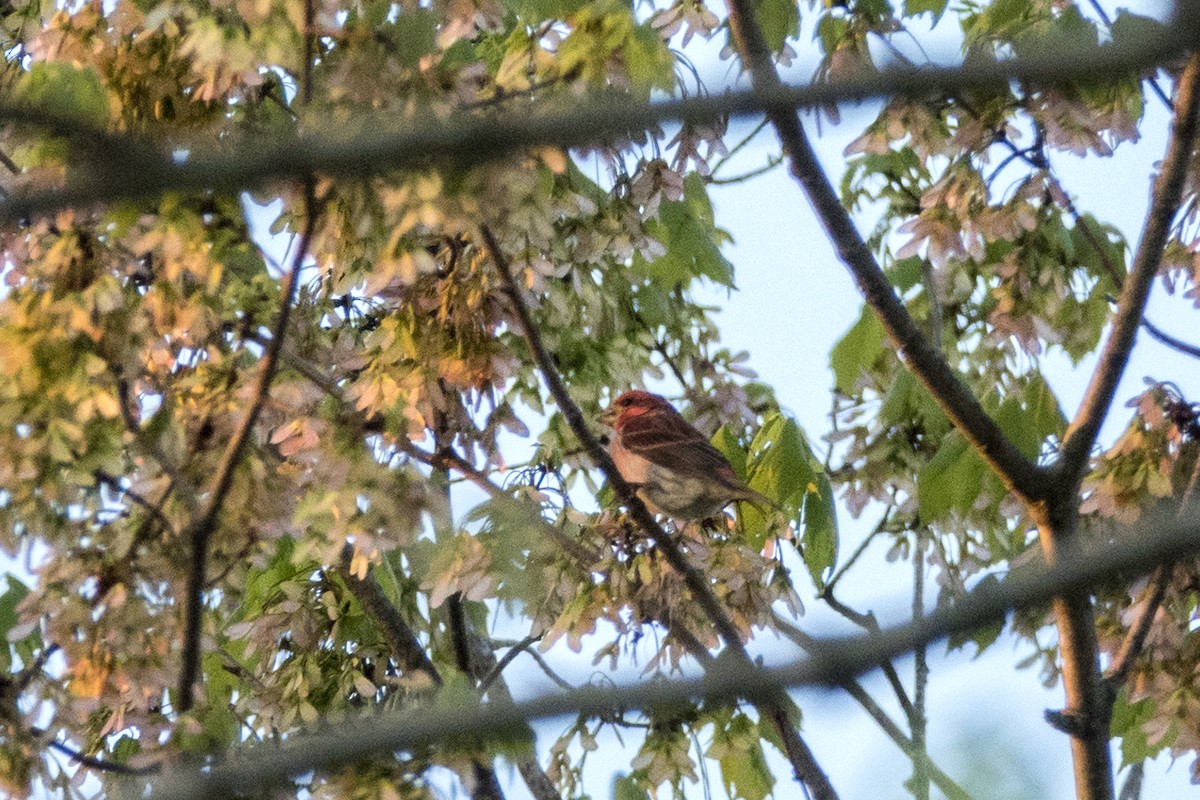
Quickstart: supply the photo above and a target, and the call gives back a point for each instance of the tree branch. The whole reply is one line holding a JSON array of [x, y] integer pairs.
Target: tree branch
[[200, 530], [856, 691], [470, 138], [868, 623], [1168, 190], [1018, 473], [494, 672], [401, 638], [803, 763], [1169, 340], [832, 662]]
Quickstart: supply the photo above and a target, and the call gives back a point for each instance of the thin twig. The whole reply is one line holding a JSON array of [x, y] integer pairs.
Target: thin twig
[[100, 764], [1169, 340], [860, 695], [200, 530], [868, 623], [512, 653], [154, 509]]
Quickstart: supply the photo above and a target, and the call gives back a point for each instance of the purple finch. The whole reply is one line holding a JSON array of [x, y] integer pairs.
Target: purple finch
[[675, 470]]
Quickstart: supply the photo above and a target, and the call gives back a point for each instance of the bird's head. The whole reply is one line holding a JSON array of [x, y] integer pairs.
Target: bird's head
[[634, 402]]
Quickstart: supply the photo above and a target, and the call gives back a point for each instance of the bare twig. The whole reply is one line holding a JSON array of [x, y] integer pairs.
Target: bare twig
[[514, 651], [200, 530], [100, 764], [856, 691], [868, 623], [803, 763]]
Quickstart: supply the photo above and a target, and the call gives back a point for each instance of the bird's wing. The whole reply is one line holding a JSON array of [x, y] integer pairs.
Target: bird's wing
[[669, 441]]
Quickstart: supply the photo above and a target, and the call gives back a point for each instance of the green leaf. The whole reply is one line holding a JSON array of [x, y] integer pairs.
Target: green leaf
[[625, 787], [952, 479], [726, 441], [685, 228], [781, 466], [820, 536], [935, 7], [1129, 721], [857, 351], [9, 600], [1028, 423], [415, 36], [738, 749], [542, 10], [907, 273], [830, 31], [60, 88], [779, 20]]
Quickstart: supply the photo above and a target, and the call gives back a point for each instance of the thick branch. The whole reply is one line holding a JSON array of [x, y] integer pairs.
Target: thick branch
[[201, 528], [401, 638], [926, 362], [832, 662], [1168, 190], [803, 762]]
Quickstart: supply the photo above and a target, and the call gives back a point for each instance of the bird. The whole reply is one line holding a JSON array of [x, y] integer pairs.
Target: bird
[[673, 467]]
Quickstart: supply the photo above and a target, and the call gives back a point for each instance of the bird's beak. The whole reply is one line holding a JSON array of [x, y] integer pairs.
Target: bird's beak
[[609, 416]]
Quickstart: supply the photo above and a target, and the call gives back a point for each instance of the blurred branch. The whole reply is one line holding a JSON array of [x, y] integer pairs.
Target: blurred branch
[[801, 758], [200, 530], [1154, 87], [856, 691], [472, 137], [832, 662]]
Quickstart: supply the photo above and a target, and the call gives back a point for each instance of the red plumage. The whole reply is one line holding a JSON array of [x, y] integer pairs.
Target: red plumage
[[676, 470]]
